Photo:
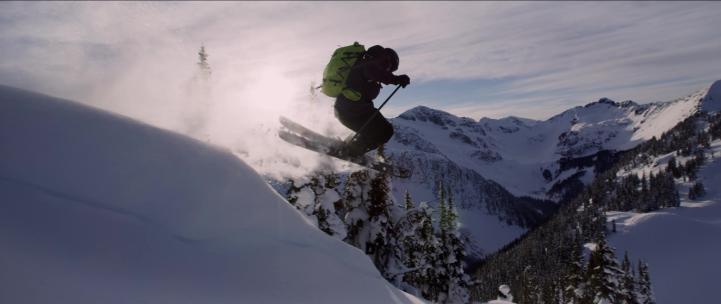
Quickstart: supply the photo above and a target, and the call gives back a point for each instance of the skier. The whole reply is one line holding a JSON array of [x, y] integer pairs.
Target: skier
[[376, 67]]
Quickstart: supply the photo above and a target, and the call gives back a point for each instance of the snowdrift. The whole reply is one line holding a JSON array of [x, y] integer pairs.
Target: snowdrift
[[98, 208]]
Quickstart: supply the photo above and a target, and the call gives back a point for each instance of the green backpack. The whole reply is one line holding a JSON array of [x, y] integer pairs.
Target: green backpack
[[337, 70]]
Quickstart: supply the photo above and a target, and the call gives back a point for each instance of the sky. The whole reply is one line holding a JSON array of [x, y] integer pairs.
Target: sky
[[473, 59]]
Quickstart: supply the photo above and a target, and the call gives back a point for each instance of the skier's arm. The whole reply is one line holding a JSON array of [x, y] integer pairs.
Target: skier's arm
[[373, 71]]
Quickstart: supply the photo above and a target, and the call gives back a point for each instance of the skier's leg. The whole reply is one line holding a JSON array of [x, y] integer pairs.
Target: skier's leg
[[354, 115], [377, 132]]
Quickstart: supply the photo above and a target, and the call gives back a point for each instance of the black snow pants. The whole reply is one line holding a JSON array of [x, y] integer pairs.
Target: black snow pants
[[353, 114]]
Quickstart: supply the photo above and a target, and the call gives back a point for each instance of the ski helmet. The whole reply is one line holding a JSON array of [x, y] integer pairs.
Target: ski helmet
[[375, 51], [393, 57]]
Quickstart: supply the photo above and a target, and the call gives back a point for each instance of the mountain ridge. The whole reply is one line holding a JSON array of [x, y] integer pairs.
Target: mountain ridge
[[577, 132], [547, 160]]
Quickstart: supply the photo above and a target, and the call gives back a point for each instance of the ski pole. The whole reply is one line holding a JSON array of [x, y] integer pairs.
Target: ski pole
[[389, 98], [374, 115]]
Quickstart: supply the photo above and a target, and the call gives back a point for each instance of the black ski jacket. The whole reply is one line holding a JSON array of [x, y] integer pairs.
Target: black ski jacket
[[366, 78]]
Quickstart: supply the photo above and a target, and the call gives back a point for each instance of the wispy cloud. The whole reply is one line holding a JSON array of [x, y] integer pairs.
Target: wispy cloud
[[475, 59]]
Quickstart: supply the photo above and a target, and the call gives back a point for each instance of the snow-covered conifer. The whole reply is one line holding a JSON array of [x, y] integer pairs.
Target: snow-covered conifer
[[628, 282], [317, 199], [355, 195], [429, 275], [407, 202], [575, 282], [385, 248], [645, 293], [452, 251], [604, 275]]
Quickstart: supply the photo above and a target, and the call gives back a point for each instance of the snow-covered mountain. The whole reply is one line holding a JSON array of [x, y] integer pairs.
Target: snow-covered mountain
[[680, 244], [661, 206], [514, 151], [504, 171], [98, 208]]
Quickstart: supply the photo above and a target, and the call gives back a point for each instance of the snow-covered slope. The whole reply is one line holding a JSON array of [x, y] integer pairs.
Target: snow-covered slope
[[681, 245], [97, 208]]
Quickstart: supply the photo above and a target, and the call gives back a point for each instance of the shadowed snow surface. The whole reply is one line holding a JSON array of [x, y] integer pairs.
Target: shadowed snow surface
[[98, 208]]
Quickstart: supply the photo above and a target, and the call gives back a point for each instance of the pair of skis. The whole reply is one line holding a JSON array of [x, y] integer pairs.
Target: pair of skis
[[296, 134]]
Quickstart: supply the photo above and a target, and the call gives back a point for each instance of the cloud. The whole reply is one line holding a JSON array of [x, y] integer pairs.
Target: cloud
[[474, 59]]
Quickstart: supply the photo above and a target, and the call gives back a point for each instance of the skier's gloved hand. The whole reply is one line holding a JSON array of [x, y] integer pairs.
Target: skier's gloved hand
[[403, 80]]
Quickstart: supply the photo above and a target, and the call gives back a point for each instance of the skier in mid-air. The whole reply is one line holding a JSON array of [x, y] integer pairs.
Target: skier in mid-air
[[354, 76], [374, 68]]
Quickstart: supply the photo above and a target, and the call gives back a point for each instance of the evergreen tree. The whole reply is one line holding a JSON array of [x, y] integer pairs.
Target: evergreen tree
[[645, 294], [449, 265], [451, 213], [575, 281], [198, 93], [673, 168], [317, 199], [327, 199], [203, 63], [604, 275], [691, 167], [696, 191], [384, 247], [442, 210], [628, 282], [528, 287], [408, 203], [355, 194], [421, 251], [454, 254], [645, 196], [429, 281], [408, 227]]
